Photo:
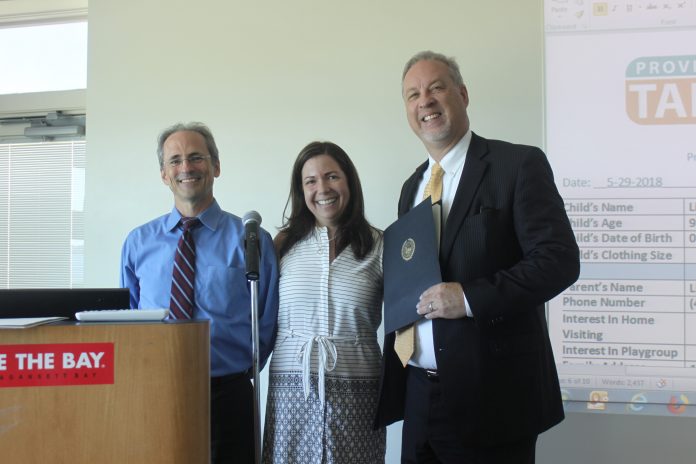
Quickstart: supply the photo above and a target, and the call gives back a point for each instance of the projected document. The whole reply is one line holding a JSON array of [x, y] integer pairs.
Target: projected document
[[621, 137]]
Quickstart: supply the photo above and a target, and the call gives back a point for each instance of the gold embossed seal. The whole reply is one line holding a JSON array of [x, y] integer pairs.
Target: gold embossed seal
[[407, 249]]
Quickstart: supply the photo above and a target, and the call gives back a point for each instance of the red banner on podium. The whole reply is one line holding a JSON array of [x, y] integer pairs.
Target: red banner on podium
[[54, 364]]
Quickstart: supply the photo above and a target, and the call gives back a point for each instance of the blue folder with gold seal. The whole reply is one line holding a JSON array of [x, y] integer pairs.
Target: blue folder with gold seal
[[411, 264]]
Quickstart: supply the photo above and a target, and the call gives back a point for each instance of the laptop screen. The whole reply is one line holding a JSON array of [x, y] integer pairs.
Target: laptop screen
[[64, 302]]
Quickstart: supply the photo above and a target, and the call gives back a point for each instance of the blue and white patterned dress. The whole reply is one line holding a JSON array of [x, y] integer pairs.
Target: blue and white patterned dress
[[325, 368]]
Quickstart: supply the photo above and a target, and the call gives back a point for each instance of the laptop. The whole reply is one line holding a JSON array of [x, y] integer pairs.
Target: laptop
[[60, 302]]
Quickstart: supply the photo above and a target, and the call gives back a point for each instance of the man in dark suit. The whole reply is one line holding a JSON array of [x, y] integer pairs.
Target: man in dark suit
[[481, 383]]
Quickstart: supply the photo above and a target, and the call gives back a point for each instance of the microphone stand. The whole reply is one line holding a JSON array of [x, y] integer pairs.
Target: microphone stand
[[254, 283], [252, 251]]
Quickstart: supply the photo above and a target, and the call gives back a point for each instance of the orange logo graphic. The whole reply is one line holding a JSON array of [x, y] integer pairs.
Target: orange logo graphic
[[662, 90]]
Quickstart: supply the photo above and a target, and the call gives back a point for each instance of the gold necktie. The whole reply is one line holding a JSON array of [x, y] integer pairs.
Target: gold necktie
[[403, 344], [434, 187]]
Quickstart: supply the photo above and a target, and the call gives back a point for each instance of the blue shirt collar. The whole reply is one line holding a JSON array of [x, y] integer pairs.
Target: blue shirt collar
[[209, 218]]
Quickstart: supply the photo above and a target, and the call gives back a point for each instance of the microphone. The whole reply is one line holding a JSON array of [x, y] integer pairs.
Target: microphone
[[252, 221]]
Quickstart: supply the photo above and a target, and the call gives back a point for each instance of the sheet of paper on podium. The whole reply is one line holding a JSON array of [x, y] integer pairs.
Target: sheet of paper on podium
[[27, 322], [411, 264]]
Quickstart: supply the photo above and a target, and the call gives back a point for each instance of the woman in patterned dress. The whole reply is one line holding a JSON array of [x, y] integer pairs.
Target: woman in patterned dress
[[324, 372]]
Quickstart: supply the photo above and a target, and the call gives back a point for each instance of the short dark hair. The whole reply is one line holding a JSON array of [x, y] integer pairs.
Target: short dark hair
[[450, 62], [198, 127], [353, 228]]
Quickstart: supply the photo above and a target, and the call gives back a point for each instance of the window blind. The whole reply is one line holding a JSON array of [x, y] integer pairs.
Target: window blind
[[41, 215]]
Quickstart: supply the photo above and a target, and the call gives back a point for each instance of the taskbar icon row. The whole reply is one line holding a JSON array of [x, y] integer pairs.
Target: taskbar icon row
[[658, 403]]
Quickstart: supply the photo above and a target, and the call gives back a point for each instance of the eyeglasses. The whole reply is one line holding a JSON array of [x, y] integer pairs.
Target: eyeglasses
[[193, 160]]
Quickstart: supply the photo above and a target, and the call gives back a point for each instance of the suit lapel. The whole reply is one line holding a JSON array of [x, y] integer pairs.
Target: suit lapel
[[410, 188], [472, 174]]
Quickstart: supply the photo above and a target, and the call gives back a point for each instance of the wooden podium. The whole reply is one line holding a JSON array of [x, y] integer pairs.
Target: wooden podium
[[155, 410]]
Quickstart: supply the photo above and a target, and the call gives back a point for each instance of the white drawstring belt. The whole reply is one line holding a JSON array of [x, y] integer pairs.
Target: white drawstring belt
[[328, 355]]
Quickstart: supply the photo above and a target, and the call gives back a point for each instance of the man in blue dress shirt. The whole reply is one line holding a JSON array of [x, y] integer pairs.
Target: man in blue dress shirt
[[189, 162]]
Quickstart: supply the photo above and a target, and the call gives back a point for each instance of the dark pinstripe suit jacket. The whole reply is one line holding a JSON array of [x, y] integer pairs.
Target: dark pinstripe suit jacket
[[509, 243]]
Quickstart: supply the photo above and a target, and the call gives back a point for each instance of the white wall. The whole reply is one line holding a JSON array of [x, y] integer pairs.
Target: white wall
[[269, 77]]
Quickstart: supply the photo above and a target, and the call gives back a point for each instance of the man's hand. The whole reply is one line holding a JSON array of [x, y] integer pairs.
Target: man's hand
[[445, 300]]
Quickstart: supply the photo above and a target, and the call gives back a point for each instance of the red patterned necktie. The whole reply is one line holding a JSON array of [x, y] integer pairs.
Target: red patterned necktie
[[183, 276]]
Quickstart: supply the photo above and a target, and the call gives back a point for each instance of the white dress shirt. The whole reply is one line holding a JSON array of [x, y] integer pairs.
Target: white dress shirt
[[453, 165]]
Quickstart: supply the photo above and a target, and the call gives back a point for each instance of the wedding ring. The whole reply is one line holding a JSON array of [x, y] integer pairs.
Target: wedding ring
[[430, 307]]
